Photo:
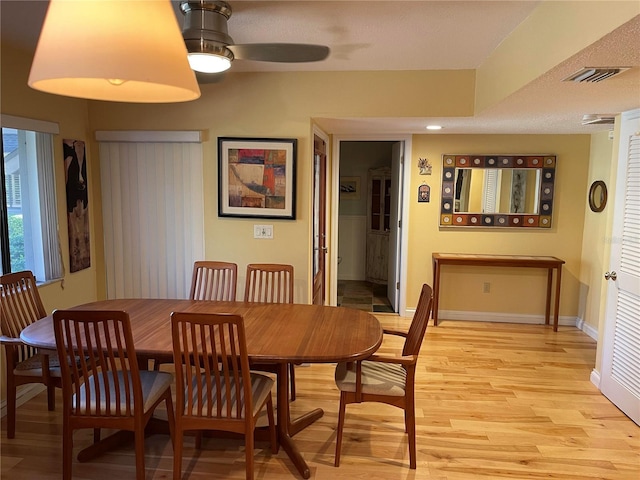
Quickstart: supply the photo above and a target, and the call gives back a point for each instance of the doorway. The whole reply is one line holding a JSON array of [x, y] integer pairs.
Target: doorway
[[367, 240]]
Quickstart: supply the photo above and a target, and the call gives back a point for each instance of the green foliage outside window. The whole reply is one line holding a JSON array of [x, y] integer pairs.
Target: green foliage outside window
[[16, 243]]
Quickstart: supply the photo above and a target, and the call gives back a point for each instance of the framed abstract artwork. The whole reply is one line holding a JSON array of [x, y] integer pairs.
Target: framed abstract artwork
[[257, 177]]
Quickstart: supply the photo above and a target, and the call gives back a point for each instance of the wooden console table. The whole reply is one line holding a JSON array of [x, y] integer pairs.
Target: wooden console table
[[550, 263]]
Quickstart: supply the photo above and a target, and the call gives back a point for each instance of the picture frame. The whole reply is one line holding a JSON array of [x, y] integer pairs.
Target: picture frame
[[349, 188], [257, 177]]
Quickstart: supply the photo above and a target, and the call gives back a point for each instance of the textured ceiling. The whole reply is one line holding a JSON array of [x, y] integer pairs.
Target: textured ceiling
[[416, 35]]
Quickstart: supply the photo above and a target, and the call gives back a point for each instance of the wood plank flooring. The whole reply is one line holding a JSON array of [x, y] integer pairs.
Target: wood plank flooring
[[494, 401]]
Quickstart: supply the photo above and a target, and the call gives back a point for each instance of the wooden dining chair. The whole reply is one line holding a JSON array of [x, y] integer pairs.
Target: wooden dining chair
[[215, 389], [20, 306], [271, 283], [213, 280], [387, 379], [105, 389]]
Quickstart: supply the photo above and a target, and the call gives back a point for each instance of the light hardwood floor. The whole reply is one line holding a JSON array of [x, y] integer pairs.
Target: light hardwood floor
[[494, 401]]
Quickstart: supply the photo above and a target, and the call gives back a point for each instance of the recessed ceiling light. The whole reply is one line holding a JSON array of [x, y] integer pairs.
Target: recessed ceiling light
[[434, 127]]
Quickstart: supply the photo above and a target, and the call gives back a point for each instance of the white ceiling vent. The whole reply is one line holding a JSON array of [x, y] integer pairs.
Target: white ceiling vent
[[594, 74], [598, 119]]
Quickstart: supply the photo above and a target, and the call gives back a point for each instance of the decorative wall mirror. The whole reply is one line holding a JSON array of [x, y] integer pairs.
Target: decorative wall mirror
[[597, 196], [497, 190]]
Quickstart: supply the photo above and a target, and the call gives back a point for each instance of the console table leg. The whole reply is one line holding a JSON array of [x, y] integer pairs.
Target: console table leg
[[436, 291], [556, 310], [547, 312]]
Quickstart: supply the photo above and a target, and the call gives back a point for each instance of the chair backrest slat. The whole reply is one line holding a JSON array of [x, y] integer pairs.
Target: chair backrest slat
[[96, 350], [269, 283], [20, 306], [213, 280], [215, 375], [419, 322]]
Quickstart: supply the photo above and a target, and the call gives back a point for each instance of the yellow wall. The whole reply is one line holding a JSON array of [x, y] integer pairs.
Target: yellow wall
[[512, 290], [595, 244]]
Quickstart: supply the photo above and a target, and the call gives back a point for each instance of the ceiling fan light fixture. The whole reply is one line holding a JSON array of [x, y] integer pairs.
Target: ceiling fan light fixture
[[209, 62]]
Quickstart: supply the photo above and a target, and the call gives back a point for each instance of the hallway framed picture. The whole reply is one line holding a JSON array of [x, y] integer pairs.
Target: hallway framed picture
[[257, 177]]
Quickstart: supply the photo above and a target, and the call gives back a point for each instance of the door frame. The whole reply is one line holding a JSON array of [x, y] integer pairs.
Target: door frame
[[317, 132], [403, 186]]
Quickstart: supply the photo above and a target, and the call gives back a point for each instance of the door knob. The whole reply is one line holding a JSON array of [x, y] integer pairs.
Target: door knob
[[611, 276]]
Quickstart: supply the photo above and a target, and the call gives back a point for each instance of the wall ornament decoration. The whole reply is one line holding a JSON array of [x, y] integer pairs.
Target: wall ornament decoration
[[424, 166], [424, 193]]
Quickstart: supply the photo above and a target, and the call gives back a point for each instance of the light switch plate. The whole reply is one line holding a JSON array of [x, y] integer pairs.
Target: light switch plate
[[263, 231]]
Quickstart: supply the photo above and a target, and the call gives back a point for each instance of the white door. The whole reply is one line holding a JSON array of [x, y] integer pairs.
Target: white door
[[620, 380], [393, 275]]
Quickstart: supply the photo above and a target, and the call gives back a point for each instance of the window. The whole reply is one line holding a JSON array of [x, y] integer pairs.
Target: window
[[28, 216]]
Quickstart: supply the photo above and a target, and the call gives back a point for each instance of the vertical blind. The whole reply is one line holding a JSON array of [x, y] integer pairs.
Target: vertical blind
[[52, 257], [152, 201]]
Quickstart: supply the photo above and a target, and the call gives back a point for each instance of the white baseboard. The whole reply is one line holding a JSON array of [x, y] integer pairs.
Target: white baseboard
[[586, 328], [513, 318], [595, 378], [500, 317], [24, 393]]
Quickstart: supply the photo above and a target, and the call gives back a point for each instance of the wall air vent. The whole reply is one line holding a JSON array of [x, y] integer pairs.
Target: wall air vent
[[598, 119], [594, 74]]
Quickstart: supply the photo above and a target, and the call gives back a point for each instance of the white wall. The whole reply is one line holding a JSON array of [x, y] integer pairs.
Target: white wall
[[351, 251]]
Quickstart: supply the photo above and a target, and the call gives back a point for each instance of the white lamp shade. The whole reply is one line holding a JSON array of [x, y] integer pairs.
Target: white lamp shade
[[115, 50]]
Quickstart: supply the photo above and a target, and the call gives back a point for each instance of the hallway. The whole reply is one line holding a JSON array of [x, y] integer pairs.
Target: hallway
[[367, 296]]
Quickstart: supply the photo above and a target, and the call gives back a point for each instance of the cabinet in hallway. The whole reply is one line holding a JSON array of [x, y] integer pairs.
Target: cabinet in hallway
[[378, 218]]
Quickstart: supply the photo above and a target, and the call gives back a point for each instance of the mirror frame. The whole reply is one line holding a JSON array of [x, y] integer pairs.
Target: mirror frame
[[449, 218], [597, 196]]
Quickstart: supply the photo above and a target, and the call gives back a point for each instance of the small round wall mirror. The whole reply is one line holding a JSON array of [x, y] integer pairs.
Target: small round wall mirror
[[597, 196]]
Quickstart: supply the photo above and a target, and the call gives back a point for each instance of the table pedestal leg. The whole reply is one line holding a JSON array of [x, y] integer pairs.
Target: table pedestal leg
[[287, 428]]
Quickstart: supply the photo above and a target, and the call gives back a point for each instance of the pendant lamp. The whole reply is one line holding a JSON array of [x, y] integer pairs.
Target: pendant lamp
[[113, 50]]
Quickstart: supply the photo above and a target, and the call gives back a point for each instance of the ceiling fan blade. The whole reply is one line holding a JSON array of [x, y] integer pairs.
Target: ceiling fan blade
[[280, 52]]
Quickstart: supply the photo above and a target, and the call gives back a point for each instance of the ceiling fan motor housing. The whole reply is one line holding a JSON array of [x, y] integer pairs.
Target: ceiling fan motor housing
[[205, 27]]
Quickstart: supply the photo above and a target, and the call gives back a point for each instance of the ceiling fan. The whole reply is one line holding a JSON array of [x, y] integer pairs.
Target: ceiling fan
[[211, 49]]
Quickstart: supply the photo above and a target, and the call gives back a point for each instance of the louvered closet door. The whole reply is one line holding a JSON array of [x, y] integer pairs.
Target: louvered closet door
[[620, 380], [152, 204]]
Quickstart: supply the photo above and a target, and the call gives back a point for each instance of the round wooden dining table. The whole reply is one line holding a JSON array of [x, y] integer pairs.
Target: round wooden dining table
[[275, 333]]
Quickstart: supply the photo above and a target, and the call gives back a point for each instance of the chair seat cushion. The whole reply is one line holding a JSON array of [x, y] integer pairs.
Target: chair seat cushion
[[153, 385], [261, 386], [32, 366], [377, 378]]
